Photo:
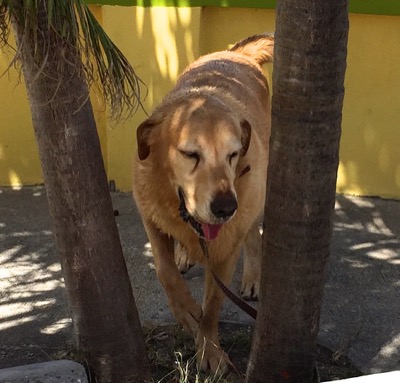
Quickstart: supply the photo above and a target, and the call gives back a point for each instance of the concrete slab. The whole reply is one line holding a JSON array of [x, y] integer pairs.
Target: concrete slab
[[360, 316], [388, 377], [360, 313], [60, 371]]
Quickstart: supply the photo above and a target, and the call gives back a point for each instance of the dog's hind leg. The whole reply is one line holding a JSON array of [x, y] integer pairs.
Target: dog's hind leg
[[185, 309], [252, 263]]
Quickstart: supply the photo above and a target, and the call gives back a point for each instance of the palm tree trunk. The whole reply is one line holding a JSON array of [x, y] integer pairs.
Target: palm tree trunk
[[103, 309], [309, 68]]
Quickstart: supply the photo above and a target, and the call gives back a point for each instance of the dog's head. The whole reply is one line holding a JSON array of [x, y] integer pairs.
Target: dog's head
[[200, 143]]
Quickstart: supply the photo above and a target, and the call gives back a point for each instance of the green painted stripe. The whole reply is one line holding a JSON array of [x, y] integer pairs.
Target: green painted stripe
[[190, 3], [376, 7]]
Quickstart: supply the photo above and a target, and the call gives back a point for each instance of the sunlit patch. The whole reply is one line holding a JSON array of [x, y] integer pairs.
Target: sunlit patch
[[348, 226], [356, 264], [14, 180], [30, 233], [361, 246], [19, 305], [362, 202], [10, 253], [339, 210], [6, 324], [167, 28], [147, 252], [390, 348], [382, 254], [46, 302], [56, 327], [4, 273], [380, 224], [341, 177]]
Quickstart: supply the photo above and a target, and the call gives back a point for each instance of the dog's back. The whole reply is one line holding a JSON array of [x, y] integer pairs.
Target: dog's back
[[259, 48], [235, 77], [227, 65]]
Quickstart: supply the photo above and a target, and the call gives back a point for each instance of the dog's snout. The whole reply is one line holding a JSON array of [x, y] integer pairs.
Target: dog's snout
[[224, 205]]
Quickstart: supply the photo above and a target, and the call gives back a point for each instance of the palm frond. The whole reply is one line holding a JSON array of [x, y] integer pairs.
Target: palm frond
[[103, 63], [121, 86], [4, 23]]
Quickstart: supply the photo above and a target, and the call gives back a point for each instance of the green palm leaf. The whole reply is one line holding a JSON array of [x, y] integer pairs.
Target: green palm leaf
[[103, 63]]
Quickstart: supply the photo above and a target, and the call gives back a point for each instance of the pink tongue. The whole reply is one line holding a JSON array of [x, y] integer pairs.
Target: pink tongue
[[211, 231]]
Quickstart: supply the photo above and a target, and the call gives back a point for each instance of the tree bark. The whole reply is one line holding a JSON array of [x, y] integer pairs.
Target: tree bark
[[308, 78], [104, 314]]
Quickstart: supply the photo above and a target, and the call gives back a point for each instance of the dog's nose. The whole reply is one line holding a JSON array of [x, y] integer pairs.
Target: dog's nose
[[224, 205]]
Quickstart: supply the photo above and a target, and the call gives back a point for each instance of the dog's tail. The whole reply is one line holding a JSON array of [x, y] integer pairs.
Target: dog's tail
[[259, 47]]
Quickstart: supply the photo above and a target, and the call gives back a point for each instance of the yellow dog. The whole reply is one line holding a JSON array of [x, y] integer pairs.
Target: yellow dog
[[201, 171]]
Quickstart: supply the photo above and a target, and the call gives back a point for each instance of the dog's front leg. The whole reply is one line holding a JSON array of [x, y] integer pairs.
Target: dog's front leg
[[210, 356], [186, 311], [252, 263]]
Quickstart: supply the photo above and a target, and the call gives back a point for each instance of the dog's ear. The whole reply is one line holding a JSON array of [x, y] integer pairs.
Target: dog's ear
[[246, 135], [143, 134]]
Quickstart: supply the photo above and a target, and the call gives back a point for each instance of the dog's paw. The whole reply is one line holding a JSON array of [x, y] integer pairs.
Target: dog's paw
[[250, 290], [188, 314], [210, 357], [182, 260]]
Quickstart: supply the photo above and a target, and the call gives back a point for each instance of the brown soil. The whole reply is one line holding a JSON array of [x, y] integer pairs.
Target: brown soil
[[171, 353]]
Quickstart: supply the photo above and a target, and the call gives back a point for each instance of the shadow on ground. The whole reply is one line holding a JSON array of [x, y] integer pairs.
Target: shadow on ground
[[34, 318], [360, 312]]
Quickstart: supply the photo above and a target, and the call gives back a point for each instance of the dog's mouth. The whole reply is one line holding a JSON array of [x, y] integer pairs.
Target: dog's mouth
[[207, 231]]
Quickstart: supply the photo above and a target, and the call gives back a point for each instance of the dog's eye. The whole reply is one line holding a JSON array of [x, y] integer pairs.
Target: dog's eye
[[232, 156], [191, 155]]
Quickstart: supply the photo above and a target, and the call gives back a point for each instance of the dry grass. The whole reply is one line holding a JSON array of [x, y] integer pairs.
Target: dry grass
[[173, 360], [172, 352]]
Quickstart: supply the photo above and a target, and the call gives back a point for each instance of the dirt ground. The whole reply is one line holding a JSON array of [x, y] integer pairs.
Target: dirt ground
[[171, 354]]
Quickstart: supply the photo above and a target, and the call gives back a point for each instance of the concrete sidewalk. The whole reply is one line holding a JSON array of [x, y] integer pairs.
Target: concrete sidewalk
[[361, 311]]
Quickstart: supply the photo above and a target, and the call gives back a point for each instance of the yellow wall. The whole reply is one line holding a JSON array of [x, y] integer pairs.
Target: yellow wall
[[19, 162], [160, 42], [98, 105], [370, 145], [19, 159]]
